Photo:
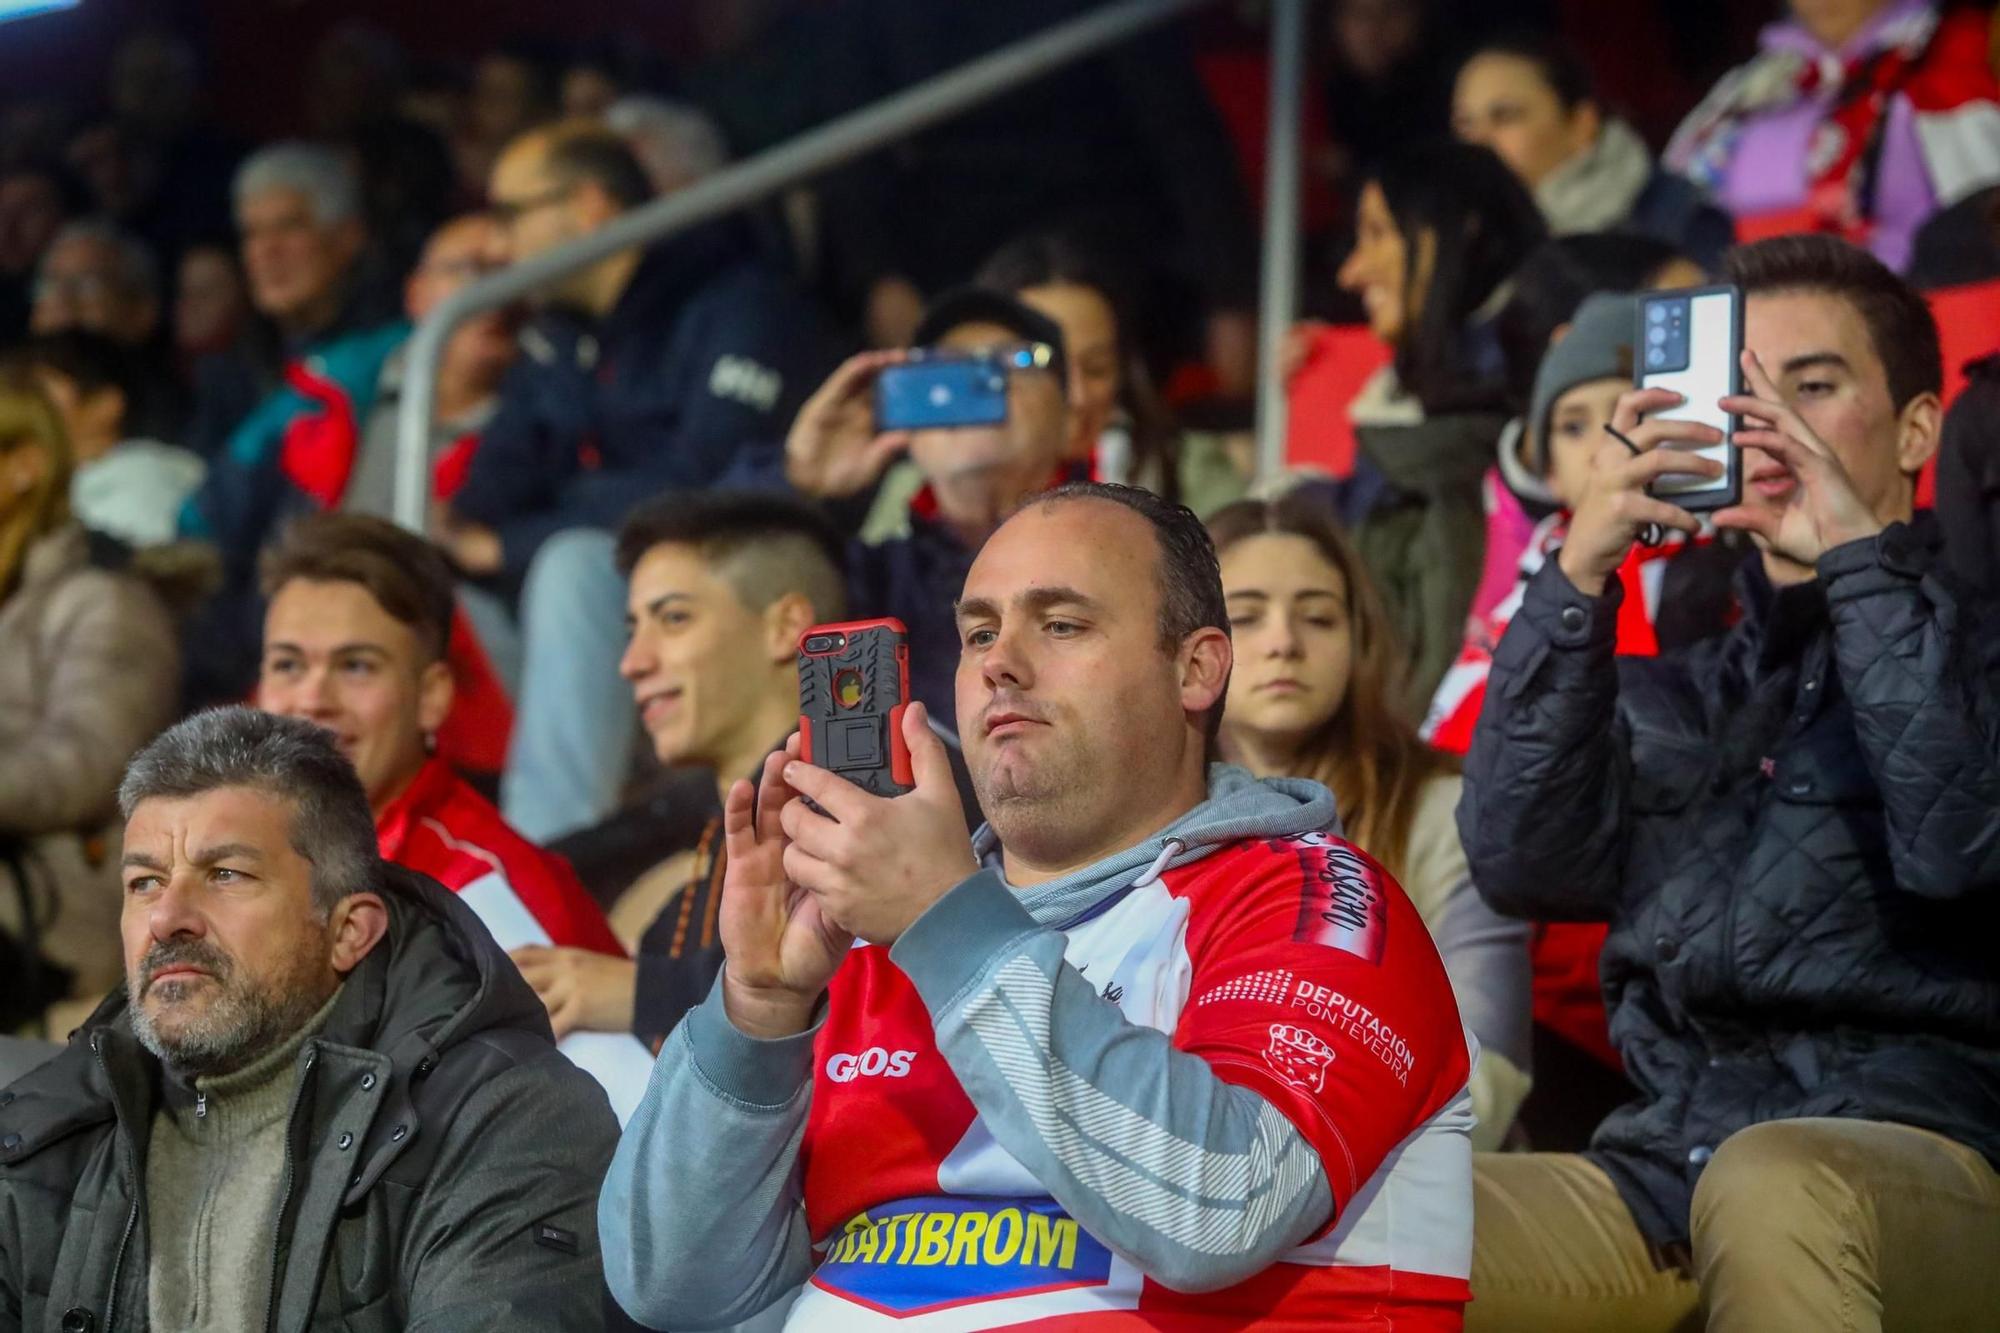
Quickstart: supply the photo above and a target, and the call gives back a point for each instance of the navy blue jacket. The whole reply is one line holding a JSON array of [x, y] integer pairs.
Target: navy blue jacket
[[690, 381]]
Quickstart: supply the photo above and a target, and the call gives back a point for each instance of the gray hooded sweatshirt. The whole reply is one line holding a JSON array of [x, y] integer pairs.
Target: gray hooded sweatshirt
[[702, 1214]]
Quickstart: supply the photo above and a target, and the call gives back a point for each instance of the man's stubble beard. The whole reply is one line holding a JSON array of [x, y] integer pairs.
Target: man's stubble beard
[[243, 1020]]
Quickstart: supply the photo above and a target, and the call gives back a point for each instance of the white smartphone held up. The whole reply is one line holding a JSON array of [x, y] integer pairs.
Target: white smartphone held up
[[1691, 341]]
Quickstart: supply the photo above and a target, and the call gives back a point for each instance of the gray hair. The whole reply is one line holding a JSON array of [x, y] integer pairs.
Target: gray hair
[[283, 757], [313, 170], [675, 142], [136, 271]]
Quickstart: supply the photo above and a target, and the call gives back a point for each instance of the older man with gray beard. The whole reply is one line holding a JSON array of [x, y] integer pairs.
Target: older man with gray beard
[[323, 1098]]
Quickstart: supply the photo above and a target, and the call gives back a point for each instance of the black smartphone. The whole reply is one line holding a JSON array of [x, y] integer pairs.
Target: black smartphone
[[854, 683], [1691, 341]]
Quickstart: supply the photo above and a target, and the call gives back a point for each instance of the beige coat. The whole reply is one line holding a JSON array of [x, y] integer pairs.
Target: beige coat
[[89, 672]]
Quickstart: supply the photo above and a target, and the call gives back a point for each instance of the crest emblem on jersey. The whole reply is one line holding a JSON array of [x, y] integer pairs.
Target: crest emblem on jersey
[[1298, 1057]]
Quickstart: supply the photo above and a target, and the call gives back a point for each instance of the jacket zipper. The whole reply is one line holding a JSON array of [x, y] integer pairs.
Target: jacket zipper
[[285, 1194], [131, 1215]]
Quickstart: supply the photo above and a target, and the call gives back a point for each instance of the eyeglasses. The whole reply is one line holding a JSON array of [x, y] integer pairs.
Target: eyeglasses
[[507, 212], [1006, 356]]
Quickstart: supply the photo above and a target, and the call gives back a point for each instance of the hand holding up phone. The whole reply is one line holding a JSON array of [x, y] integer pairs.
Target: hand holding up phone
[[1823, 511], [834, 450], [1615, 506]]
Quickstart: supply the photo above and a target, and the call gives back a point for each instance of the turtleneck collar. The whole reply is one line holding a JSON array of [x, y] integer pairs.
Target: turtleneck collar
[[218, 1109]]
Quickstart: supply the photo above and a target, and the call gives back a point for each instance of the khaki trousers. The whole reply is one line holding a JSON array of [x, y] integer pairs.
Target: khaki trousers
[[1820, 1226]]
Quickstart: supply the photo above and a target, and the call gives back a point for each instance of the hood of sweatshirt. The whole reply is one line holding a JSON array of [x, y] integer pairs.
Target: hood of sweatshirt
[[1239, 808]]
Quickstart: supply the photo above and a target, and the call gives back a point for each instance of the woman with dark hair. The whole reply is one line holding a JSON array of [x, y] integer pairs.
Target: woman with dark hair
[[1532, 100], [1440, 231], [1313, 696], [1122, 428]]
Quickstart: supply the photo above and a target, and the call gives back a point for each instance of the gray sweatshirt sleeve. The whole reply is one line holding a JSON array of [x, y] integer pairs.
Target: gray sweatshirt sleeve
[[700, 1217], [1198, 1182]]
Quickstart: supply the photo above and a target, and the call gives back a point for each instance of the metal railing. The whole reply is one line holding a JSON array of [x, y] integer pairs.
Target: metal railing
[[850, 136]]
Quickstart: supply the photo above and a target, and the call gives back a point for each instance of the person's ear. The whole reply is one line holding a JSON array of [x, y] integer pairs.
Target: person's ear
[[594, 206], [357, 925], [785, 621], [349, 238], [436, 690], [1205, 659], [1919, 429], [103, 413], [1586, 122]]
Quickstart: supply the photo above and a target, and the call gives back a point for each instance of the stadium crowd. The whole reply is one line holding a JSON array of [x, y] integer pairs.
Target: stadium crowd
[[1447, 885]]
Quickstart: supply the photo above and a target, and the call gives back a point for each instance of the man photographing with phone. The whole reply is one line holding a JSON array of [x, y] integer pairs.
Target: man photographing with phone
[[1794, 832], [1156, 1046]]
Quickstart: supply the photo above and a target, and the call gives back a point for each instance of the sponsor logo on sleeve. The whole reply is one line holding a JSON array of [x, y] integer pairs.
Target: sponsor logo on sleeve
[[1342, 901], [1270, 986], [742, 380], [1298, 1056], [919, 1255], [875, 1062], [1343, 1015]]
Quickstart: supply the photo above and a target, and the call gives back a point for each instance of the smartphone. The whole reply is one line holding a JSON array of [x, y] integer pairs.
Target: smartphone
[[1691, 341], [854, 683], [936, 389]]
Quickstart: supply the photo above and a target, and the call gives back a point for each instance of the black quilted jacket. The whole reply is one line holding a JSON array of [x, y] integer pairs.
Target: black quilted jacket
[[1794, 831]]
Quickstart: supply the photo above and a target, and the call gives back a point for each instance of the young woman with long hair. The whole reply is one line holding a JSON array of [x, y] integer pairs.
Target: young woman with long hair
[[1313, 695]]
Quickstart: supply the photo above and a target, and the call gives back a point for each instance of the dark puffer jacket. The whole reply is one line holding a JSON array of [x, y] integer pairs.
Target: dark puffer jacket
[[443, 1159], [1794, 831]]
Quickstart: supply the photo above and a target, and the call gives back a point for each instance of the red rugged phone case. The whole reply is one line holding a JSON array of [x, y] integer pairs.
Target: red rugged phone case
[[851, 702]]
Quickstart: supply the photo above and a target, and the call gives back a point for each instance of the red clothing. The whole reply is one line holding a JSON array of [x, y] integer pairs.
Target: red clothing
[[441, 827], [1291, 966]]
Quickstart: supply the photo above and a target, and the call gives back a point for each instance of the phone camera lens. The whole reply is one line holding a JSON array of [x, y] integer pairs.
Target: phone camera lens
[[818, 643], [1656, 314], [1655, 357]]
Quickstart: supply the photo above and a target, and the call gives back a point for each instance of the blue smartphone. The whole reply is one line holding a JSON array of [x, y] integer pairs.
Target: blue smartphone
[[941, 389]]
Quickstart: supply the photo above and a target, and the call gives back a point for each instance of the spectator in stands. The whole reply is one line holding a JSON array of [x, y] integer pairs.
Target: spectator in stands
[[513, 91], [298, 207], [1312, 696], [1856, 117], [1968, 479], [124, 485], [667, 368], [1388, 81], [322, 1095], [87, 674], [1792, 832], [211, 303], [677, 144], [722, 587], [1532, 101], [914, 1025], [98, 277], [1441, 230], [355, 641], [93, 276], [1677, 594], [35, 200], [571, 747]]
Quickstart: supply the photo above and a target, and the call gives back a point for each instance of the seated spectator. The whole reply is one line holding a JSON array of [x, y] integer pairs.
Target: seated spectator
[[93, 276], [676, 144], [721, 589], [1960, 245], [88, 670], [1859, 118], [298, 209], [1968, 479], [572, 744], [322, 1095], [1427, 424], [35, 200], [355, 641], [669, 368], [513, 91], [210, 303], [124, 485], [1311, 697], [1532, 101], [1676, 594], [1791, 830], [1052, 1051]]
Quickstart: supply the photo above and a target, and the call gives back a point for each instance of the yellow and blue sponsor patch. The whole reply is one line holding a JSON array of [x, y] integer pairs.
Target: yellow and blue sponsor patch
[[918, 1255]]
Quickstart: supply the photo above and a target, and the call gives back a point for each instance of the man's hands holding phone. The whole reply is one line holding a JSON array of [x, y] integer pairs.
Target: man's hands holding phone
[[801, 887], [834, 450], [1615, 507], [1822, 512]]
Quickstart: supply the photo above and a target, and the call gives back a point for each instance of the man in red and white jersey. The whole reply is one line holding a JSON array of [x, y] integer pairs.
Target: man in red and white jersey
[[1156, 1049], [354, 640]]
